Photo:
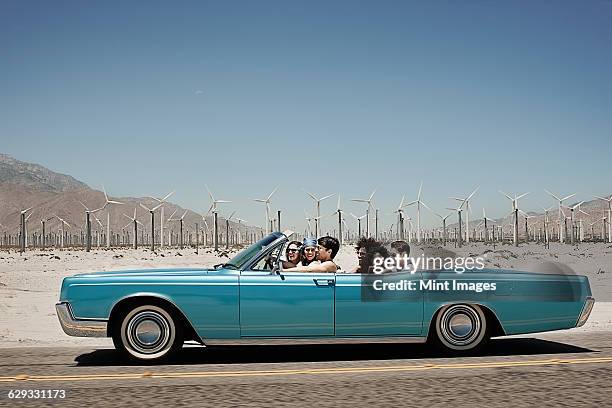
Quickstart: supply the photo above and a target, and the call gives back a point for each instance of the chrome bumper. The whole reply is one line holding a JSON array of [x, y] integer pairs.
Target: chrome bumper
[[79, 327], [586, 311]]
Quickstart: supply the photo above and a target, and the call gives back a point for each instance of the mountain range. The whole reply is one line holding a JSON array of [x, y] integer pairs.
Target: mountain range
[[51, 194]]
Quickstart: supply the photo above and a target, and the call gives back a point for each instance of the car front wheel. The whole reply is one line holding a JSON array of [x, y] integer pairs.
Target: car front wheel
[[148, 332], [461, 328]]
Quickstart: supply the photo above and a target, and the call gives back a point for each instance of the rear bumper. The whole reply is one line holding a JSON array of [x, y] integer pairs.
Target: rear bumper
[[586, 311], [79, 327]]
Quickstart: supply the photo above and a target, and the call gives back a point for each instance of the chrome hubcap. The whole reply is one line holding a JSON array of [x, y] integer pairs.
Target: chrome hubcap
[[460, 325], [148, 332]]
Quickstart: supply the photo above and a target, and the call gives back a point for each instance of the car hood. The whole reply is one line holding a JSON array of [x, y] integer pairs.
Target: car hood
[[146, 272]]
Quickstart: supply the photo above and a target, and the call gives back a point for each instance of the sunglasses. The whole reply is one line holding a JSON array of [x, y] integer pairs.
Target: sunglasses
[[292, 250], [310, 249]]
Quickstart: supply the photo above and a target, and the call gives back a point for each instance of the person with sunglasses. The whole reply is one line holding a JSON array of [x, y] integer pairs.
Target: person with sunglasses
[[292, 254]]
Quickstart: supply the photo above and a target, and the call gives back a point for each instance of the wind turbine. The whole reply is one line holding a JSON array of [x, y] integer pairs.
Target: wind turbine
[[572, 209], [267, 202], [162, 201], [88, 213], [359, 222], [459, 210], [43, 223], [180, 220], [443, 218], [213, 208], [22, 228], [514, 212], [152, 212], [400, 219], [546, 222], [560, 200], [318, 207], [62, 224], [368, 210], [466, 201], [227, 221], [339, 212], [418, 203], [609, 201], [135, 222], [527, 217], [107, 202], [98, 231], [240, 221]]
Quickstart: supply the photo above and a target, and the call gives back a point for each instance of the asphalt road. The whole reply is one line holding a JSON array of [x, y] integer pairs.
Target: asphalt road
[[563, 369]]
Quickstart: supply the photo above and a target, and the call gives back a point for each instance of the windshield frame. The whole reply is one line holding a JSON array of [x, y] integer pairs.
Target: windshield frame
[[243, 258]]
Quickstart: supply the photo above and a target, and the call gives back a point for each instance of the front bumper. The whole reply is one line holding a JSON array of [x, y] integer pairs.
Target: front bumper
[[586, 311], [79, 327]]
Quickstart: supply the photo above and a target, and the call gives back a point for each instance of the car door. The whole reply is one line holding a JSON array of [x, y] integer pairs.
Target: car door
[[290, 304], [362, 312]]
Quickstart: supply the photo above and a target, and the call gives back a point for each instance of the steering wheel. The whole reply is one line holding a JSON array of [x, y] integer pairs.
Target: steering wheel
[[269, 264]]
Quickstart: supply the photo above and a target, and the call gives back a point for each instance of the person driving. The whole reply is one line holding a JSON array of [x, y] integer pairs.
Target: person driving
[[293, 254], [327, 247]]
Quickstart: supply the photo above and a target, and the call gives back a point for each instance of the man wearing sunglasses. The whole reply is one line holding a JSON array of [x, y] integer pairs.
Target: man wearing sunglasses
[[327, 247]]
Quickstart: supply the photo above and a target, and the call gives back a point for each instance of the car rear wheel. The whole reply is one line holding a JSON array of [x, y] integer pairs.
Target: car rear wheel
[[148, 332], [461, 328]]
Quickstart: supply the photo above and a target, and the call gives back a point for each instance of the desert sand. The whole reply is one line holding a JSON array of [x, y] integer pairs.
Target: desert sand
[[30, 283]]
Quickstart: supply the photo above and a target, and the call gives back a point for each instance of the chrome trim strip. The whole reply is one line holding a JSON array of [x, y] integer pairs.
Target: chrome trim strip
[[587, 308], [315, 340], [79, 327]]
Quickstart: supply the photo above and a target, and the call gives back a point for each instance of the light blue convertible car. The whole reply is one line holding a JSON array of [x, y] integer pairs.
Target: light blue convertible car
[[150, 313]]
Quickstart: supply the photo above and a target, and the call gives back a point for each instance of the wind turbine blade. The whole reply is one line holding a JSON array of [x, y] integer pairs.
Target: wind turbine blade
[[231, 215], [167, 196], [472, 195], [105, 196], [127, 216], [259, 200], [401, 202], [338, 205], [568, 197], [157, 206], [556, 198], [509, 198], [420, 188], [209, 193], [144, 206], [184, 214], [372, 195], [223, 201], [359, 200], [311, 195], [84, 206], [326, 197], [272, 193], [172, 215], [521, 196]]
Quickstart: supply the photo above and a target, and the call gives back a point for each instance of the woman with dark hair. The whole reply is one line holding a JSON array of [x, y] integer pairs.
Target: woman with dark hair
[[308, 252], [367, 250], [292, 254]]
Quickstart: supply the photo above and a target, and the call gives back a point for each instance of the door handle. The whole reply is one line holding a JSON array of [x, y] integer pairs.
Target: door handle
[[324, 282]]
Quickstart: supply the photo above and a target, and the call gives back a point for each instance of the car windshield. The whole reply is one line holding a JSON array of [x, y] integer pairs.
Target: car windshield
[[245, 255]]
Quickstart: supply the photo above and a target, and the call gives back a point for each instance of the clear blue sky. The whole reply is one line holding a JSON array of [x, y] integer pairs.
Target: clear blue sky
[[146, 97]]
